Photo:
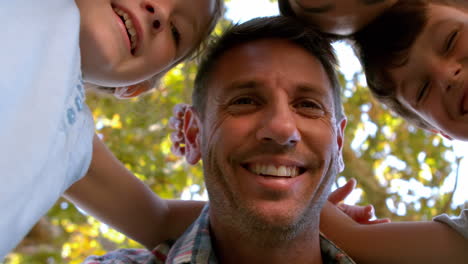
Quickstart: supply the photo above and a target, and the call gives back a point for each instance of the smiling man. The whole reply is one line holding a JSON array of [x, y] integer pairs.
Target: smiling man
[[268, 124]]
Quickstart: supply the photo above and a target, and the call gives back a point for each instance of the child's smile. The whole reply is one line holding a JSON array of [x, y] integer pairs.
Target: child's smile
[[126, 42], [131, 28], [434, 80]]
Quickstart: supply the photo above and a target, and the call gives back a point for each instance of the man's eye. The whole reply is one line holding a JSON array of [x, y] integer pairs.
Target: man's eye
[[243, 105], [243, 101], [175, 34], [309, 108], [307, 104], [450, 41]]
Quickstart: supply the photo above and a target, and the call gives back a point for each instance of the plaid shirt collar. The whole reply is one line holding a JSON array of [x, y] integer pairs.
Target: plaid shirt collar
[[195, 247]]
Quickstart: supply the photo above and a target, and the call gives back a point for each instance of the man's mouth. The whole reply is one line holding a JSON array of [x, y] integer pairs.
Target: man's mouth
[[270, 170], [129, 25]]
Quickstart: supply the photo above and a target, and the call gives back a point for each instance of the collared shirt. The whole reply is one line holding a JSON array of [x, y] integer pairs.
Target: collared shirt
[[195, 246]]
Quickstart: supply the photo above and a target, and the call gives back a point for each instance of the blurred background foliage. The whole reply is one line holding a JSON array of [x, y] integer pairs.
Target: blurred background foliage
[[398, 168]]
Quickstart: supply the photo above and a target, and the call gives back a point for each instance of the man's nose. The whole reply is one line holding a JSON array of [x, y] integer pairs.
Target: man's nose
[[158, 14], [279, 126]]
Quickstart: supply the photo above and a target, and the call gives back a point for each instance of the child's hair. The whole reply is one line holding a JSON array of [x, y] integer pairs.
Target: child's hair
[[285, 8], [193, 53], [386, 43]]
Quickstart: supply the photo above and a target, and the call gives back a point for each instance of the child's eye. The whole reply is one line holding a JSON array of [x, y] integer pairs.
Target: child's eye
[[450, 41], [175, 34]]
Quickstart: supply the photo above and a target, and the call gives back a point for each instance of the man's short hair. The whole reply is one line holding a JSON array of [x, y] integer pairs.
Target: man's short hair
[[385, 44], [278, 27]]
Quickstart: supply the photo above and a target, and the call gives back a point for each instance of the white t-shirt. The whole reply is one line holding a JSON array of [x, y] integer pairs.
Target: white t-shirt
[[46, 130], [460, 224]]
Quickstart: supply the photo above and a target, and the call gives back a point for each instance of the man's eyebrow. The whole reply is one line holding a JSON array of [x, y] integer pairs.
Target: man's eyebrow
[[320, 9], [311, 88], [372, 2], [242, 85]]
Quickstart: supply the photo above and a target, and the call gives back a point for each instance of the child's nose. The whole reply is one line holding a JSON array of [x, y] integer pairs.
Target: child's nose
[[447, 75], [156, 14], [156, 24]]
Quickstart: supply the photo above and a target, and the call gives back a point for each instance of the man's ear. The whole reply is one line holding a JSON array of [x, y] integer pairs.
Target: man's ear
[[340, 132], [132, 91], [191, 129]]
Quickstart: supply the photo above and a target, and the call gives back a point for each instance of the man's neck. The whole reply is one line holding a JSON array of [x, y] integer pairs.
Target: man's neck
[[235, 246]]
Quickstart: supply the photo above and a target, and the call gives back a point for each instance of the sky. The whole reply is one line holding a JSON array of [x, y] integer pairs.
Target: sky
[[243, 10]]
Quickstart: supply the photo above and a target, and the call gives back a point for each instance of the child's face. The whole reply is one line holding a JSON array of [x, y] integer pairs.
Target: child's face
[[434, 81], [339, 17], [125, 42]]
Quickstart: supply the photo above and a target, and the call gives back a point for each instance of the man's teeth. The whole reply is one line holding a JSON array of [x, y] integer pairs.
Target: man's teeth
[[129, 25], [272, 170]]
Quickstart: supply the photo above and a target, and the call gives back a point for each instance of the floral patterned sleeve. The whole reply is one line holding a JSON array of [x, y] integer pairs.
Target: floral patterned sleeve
[[123, 256]]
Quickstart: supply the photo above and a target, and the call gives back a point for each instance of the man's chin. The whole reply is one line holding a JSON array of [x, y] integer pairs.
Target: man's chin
[[271, 228], [273, 218]]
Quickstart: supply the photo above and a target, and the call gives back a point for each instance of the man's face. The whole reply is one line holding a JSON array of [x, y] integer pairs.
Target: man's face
[[434, 81], [269, 135], [125, 42]]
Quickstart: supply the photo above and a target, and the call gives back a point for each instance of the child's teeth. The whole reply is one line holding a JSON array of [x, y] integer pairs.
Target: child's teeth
[[129, 25]]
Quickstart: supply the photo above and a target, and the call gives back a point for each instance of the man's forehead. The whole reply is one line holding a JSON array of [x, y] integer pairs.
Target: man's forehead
[[263, 47], [266, 58], [264, 63]]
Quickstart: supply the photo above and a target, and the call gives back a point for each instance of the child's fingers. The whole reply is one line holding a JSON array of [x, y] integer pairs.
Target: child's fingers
[[363, 214], [377, 221], [360, 214], [341, 193], [356, 212]]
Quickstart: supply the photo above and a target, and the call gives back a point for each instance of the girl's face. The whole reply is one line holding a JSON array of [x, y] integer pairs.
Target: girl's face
[[434, 81], [124, 42]]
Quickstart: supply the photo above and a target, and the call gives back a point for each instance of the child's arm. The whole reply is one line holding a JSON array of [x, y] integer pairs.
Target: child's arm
[[116, 197], [336, 17], [404, 242]]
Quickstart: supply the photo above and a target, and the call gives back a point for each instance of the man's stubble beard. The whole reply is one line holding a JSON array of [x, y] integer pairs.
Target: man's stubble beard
[[243, 218]]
